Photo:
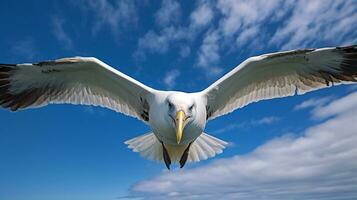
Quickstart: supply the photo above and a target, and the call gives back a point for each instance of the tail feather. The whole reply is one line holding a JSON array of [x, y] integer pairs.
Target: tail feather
[[204, 147], [147, 145], [208, 149], [217, 144]]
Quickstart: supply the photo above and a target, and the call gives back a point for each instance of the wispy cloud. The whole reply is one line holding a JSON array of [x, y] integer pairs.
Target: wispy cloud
[[313, 103], [238, 16], [341, 106], [284, 24], [247, 36], [249, 123], [246, 25], [170, 78], [169, 13], [60, 34], [228, 26], [320, 164], [25, 48], [229, 127], [113, 15], [313, 22], [158, 41], [208, 55], [202, 15], [155, 42], [266, 120], [170, 32]]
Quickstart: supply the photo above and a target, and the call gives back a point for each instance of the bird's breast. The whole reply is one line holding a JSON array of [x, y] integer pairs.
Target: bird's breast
[[167, 133]]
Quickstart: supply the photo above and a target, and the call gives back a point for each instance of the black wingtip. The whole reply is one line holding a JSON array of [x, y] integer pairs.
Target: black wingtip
[[7, 99], [5, 65], [348, 65], [348, 49], [5, 68], [350, 56]]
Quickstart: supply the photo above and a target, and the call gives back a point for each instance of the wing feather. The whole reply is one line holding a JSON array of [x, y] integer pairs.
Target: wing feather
[[280, 75], [77, 80]]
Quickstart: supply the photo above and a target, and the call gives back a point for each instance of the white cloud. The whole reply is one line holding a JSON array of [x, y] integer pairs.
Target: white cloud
[[342, 105], [229, 127], [115, 15], [266, 120], [313, 103], [312, 22], [170, 78], [209, 54], [228, 26], [255, 24], [239, 15], [320, 164], [159, 42], [247, 36], [169, 13], [202, 15], [60, 34], [170, 32], [241, 24], [249, 123], [209, 49], [154, 42]]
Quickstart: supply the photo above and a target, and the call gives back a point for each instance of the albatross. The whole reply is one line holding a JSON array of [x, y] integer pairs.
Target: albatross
[[177, 119]]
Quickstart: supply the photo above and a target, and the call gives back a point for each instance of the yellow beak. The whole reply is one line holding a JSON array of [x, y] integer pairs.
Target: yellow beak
[[180, 124]]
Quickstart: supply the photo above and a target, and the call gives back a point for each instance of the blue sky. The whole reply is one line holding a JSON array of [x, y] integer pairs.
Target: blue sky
[[77, 152]]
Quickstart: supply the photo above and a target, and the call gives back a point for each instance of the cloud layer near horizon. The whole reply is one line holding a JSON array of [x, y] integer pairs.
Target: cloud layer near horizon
[[320, 164]]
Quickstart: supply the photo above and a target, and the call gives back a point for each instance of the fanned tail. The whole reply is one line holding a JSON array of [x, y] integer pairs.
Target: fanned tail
[[204, 147], [147, 145]]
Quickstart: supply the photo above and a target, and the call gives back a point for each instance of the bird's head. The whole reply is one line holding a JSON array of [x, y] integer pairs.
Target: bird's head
[[182, 110]]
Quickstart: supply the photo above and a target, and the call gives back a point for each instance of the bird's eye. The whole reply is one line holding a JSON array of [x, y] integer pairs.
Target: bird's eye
[[191, 107], [170, 105]]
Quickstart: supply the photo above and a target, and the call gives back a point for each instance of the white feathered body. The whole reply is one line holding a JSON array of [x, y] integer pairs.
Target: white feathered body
[[203, 145]]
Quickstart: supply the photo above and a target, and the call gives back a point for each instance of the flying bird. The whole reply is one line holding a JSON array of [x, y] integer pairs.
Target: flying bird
[[177, 119]]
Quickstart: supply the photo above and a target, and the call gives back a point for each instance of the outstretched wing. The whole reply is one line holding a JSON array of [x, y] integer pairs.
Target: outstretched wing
[[279, 75], [77, 80]]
